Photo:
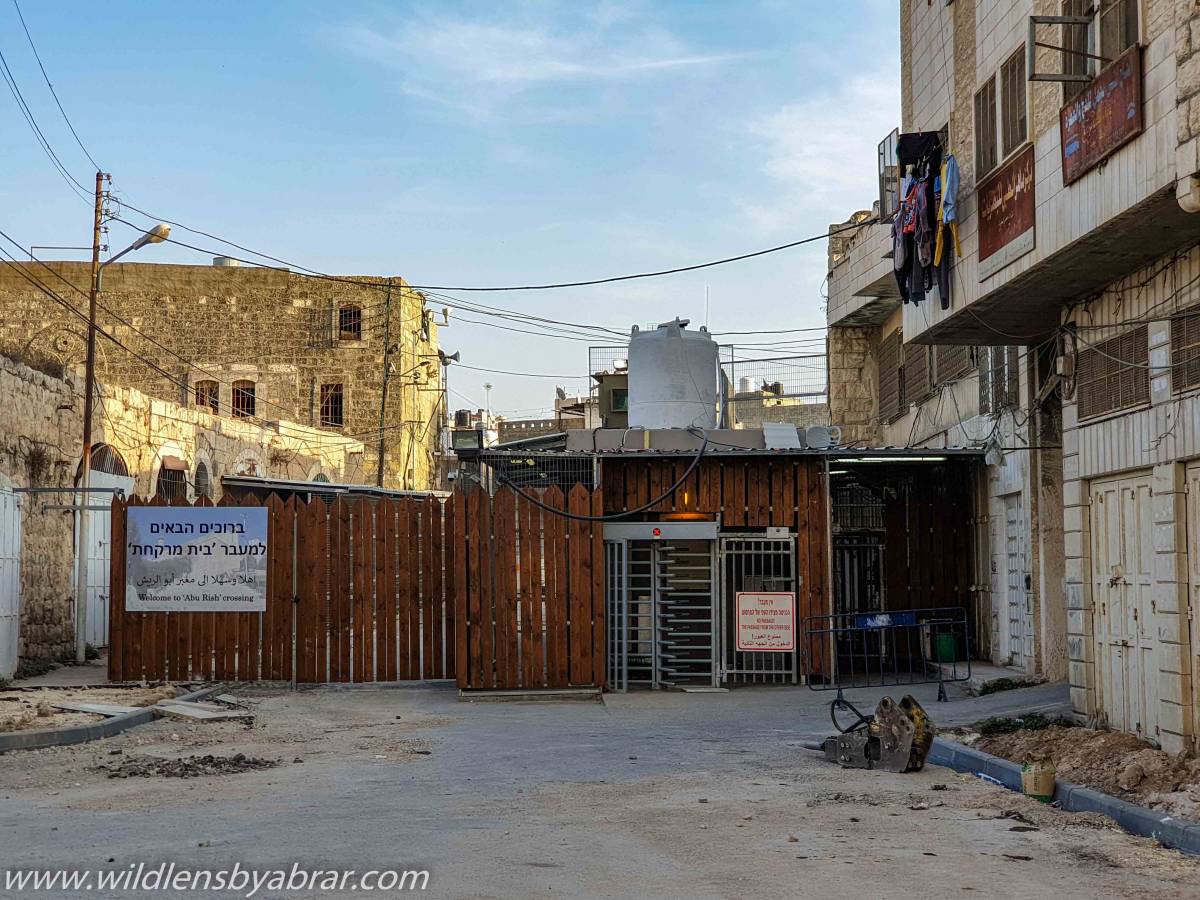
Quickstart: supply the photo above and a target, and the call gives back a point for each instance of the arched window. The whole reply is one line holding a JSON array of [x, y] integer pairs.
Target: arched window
[[207, 396], [243, 399], [172, 479], [106, 459], [349, 322], [203, 481], [321, 477]]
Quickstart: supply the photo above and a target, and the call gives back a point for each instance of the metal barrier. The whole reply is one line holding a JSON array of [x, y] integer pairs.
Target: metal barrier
[[882, 649]]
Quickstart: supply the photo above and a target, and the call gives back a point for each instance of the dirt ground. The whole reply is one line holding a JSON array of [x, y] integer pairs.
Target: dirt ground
[[1113, 762], [697, 796], [147, 761], [24, 709]]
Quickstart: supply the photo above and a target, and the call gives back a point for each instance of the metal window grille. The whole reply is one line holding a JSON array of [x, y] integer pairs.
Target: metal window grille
[[1076, 40], [1114, 374], [604, 358], [889, 177], [540, 470], [985, 129], [856, 507], [332, 406], [999, 378], [1185, 349], [918, 377], [243, 399], [951, 363], [171, 484], [208, 396], [1015, 126], [349, 322], [105, 459], [203, 481], [891, 392]]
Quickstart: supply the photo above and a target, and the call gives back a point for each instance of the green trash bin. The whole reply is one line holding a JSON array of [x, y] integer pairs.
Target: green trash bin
[[945, 647]]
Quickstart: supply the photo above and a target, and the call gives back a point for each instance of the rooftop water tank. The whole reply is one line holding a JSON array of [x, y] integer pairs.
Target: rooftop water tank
[[674, 377]]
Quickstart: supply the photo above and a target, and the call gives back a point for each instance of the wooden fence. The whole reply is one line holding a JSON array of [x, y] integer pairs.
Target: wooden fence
[[491, 591], [530, 591], [357, 591]]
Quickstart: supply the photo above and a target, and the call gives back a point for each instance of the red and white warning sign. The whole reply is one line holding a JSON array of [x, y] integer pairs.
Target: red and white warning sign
[[766, 621]]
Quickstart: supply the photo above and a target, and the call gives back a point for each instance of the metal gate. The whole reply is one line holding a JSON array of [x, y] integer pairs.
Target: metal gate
[[756, 563], [1126, 632], [1016, 567], [661, 605], [858, 573], [98, 508], [10, 580]]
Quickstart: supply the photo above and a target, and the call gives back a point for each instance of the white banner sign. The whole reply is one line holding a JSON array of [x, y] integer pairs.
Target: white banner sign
[[196, 559], [766, 621]]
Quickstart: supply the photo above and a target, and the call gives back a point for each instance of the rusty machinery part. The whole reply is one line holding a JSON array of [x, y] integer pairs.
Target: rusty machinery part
[[896, 739]]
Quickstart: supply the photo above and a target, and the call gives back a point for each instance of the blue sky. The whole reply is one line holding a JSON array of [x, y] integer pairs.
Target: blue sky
[[475, 143]]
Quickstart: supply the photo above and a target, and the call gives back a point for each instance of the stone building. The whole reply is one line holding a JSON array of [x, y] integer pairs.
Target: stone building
[[1067, 342], [253, 343], [144, 445]]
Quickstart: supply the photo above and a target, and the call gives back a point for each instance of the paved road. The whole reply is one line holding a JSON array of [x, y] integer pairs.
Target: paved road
[[647, 795]]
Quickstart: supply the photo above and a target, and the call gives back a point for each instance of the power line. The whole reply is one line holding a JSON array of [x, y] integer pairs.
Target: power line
[[528, 287], [521, 374], [53, 93], [75, 186]]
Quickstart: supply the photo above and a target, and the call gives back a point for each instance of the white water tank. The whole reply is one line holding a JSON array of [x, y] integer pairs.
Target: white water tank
[[674, 377]]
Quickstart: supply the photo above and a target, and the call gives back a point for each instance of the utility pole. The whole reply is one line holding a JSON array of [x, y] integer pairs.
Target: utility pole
[[85, 464], [387, 352]]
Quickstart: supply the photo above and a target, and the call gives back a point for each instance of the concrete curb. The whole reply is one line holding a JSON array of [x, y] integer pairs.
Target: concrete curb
[[79, 734], [576, 695], [1176, 834]]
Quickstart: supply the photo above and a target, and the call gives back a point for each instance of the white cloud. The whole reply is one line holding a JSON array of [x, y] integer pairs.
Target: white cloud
[[478, 66], [821, 152]]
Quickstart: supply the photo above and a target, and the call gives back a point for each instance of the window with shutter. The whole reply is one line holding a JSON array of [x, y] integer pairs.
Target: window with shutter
[[999, 378], [950, 363], [917, 384], [1185, 349], [1113, 374], [891, 393]]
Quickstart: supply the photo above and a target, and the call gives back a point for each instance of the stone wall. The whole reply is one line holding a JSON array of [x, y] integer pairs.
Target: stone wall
[[41, 427], [853, 383], [273, 328], [40, 437]]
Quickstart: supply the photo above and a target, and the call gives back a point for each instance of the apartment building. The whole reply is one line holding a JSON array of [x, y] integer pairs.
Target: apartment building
[[1062, 334]]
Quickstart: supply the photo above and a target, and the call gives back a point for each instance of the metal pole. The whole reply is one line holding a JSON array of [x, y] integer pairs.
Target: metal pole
[[387, 332], [85, 463]]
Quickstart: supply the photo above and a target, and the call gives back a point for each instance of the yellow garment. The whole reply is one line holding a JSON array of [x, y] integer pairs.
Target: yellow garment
[[939, 246]]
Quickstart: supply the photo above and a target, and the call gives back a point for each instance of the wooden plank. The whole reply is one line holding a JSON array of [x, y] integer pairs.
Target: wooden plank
[[404, 575], [503, 535], [655, 468], [413, 611], [472, 588], [456, 530], [361, 619], [152, 648], [442, 638], [537, 595], [599, 668], [339, 566], [430, 621], [486, 550], [735, 503], [385, 576], [116, 591], [579, 562], [131, 628], [526, 538], [556, 593]]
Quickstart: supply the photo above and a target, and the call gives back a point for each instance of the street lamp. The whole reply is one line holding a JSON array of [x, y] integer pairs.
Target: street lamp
[[155, 235]]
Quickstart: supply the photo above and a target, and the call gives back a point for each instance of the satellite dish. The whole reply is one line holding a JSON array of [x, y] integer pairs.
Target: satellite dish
[[560, 392]]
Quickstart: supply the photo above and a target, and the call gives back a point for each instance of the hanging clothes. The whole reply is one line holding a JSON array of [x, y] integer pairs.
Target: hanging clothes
[[947, 220]]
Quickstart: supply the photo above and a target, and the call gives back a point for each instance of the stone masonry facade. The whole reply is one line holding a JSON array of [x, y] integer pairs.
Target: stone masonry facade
[[41, 423], [284, 334]]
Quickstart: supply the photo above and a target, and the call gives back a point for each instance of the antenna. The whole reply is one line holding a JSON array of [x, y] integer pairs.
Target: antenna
[[706, 306]]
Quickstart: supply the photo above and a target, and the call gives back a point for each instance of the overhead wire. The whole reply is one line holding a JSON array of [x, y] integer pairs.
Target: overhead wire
[[53, 93]]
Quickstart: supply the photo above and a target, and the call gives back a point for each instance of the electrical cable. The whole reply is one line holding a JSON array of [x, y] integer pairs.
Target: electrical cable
[[615, 517], [53, 93]]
